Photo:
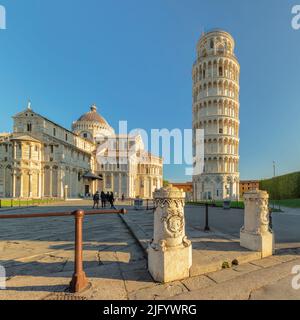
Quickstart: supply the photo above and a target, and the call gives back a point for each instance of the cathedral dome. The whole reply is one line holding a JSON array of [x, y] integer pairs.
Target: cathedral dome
[[92, 125], [93, 116]]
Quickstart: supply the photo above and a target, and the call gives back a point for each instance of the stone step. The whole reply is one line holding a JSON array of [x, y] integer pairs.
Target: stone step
[[203, 264], [273, 282]]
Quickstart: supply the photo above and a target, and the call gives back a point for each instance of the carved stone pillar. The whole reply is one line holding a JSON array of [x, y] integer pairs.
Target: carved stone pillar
[[256, 234], [170, 252]]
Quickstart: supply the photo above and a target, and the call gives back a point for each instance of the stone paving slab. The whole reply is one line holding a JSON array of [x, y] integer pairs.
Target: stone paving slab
[[281, 290], [211, 250], [252, 285]]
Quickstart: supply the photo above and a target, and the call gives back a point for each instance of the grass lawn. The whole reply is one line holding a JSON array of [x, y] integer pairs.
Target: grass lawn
[[24, 203], [290, 203], [273, 204], [219, 204]]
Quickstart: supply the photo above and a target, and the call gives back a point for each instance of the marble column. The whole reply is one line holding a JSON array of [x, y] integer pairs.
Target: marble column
[[50, 181], [14, 182], [120, 185], [30, 185], [128, 185], [39, 187], [104, 181], [4, 182], [151, 188], [15, 150], [21, 184], [42, 183]]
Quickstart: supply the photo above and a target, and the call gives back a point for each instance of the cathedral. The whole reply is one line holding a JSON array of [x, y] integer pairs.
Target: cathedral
[[41, 159]]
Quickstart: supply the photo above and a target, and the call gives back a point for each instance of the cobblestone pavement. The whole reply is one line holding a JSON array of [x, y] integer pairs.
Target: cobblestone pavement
[[38, 257]]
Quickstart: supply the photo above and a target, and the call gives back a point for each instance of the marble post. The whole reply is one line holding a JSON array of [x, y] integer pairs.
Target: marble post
[[66, 191], [256, 235], [170, 252]]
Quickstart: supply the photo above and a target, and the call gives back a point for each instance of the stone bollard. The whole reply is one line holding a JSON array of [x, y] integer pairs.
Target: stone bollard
[[170, 252], [255, 234]]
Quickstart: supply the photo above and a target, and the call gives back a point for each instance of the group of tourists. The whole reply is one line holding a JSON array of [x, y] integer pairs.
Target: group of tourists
[[105, 198]]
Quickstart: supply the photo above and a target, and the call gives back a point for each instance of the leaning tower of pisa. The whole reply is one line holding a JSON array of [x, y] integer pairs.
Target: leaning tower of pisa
[[216, 111]]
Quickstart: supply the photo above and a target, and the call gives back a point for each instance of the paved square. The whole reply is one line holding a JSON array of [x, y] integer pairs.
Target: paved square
[[38, 255]]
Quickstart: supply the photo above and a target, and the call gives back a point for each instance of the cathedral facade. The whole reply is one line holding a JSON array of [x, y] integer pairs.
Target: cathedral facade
[[40, 159]]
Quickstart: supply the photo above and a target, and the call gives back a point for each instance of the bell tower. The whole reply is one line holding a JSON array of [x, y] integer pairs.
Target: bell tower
[[216, 73]]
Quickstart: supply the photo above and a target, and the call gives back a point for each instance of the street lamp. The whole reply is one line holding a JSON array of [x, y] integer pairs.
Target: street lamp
[[274, 173]]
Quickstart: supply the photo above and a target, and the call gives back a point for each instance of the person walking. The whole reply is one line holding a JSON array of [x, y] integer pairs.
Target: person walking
[[103, 199], [107, 197], [111, 201], [96, 199]]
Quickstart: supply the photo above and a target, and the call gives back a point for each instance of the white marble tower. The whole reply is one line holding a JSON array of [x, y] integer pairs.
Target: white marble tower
[[216, 110]]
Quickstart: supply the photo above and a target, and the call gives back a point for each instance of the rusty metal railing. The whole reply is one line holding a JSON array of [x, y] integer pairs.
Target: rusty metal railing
[[79, 280]]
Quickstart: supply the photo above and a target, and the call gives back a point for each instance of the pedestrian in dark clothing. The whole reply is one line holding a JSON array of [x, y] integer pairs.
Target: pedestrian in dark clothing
[[111, 201], [107, 197], [96, 199], [103, 199]]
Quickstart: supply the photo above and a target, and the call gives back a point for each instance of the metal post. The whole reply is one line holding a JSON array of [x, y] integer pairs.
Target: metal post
[[79, 280], [11, 203], [270, 219], [147, 204], [206, 218]]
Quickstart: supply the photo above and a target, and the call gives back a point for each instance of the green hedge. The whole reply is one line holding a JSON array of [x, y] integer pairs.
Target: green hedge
[[282, 187]]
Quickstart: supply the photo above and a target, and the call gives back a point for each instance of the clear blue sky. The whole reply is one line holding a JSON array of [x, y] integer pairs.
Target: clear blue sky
[[133, 58]]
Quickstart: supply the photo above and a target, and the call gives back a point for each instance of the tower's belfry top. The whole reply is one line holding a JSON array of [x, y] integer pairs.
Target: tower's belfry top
[[215, 42]]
